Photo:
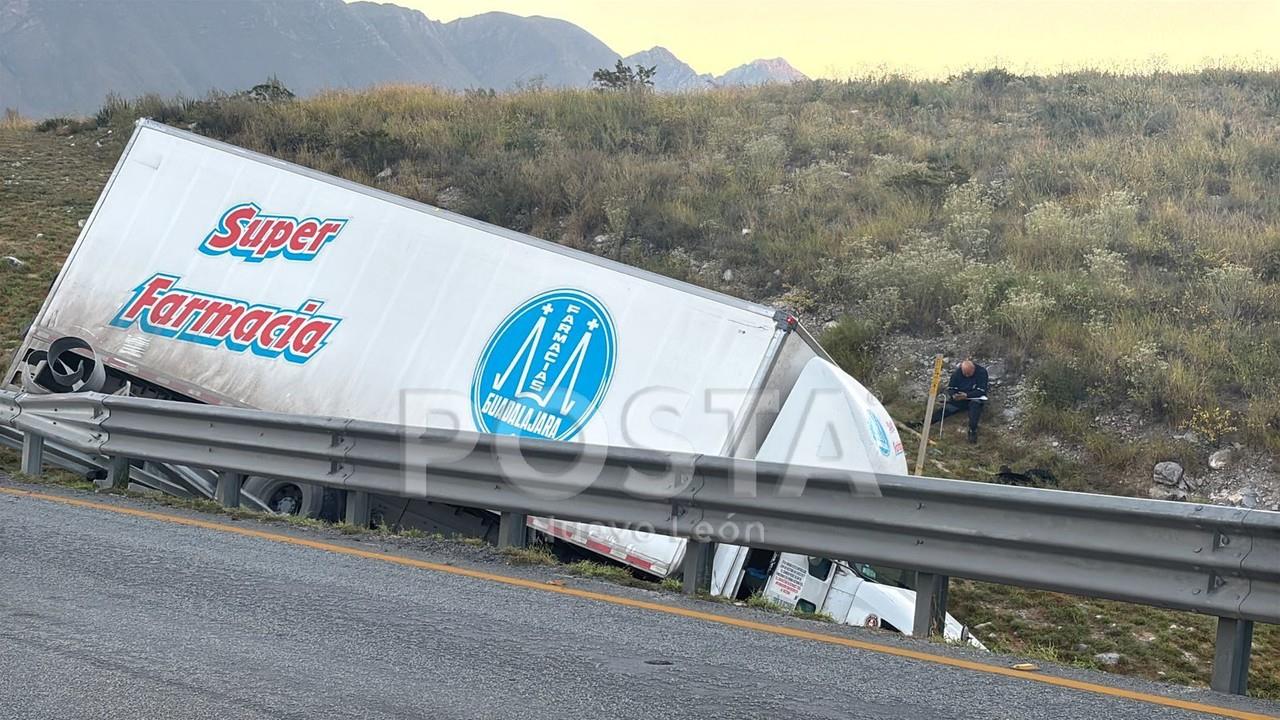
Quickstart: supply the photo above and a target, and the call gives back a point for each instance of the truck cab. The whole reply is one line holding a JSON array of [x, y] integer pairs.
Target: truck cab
[[829, 420]]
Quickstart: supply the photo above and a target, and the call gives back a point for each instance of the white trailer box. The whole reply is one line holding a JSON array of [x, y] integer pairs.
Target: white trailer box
[[229, 277], [224, 276]]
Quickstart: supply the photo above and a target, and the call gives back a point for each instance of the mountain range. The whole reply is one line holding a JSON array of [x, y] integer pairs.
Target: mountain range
[[64, 56]]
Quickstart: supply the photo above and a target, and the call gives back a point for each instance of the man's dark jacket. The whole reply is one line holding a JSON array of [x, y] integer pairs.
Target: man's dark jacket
[[972, 387]]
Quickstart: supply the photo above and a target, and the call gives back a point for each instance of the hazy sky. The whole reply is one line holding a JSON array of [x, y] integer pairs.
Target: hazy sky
[[834, 38]]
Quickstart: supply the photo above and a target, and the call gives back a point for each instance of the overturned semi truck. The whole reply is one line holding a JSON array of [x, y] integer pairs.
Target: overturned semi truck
[[212, 274]]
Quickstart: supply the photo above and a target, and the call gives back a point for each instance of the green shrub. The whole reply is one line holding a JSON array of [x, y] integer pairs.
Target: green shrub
[[1060, 382], [855, 345]]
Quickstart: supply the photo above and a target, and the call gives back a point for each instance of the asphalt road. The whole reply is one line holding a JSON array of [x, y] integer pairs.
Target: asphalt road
[[110, 616]]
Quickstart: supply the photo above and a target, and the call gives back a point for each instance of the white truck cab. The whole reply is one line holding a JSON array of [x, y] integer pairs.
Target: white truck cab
[[828, 420]]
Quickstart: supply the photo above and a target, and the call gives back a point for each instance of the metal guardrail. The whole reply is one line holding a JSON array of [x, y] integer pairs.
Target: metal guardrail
[[1208, 559], [172, 479]]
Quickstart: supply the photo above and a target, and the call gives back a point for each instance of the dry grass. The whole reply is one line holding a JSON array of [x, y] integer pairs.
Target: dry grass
[[1158, 644], [12, 120]]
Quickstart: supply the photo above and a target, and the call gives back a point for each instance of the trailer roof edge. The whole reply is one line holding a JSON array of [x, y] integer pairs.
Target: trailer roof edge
[[764, 310]]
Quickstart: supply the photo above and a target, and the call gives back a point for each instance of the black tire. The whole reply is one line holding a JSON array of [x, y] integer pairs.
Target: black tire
[[286, 497]]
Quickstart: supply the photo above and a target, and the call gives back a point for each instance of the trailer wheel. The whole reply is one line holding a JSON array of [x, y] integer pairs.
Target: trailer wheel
[[286, 497]]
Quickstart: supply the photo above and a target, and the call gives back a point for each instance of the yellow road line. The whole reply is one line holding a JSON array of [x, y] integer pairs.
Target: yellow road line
[[659, 607]]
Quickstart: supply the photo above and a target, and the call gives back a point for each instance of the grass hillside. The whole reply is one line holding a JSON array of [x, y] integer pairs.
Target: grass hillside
[[1109, 245]]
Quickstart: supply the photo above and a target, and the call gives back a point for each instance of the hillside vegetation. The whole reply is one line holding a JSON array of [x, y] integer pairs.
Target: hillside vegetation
[[1114, 239], [1110, 243]]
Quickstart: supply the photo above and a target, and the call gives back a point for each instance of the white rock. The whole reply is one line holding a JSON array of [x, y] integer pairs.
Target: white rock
[[1220, 459], [385, 174], [80, 223], [727, 276], [1160, 492], [1167, 473], [12, 261], [1249, 498], [1107, 658]]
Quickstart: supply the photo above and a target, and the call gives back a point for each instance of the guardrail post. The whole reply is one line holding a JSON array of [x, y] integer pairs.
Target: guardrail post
[[228, 491], [357, 508], [32, 454], [931, 605], [117, 473], [698, 556], [512, 530], [1231, 656]]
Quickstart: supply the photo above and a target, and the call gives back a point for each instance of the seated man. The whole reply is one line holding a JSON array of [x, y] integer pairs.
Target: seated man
[[967, 390]]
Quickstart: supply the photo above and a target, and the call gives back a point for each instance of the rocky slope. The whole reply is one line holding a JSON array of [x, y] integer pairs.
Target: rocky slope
[[762, 72], [674, 75]]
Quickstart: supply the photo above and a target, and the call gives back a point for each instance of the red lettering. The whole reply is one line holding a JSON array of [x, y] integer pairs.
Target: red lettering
[[301, 239], [255, 234], [327, 232], [245, 231], [218, 318], [310, 335], [164, 311], [250, 324], [276, 238], [273, 332], [286, 337], [233, 220], [146, 296], [191, 306]]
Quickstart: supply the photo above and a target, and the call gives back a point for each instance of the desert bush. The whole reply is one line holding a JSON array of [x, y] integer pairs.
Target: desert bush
[[854, 344], [1261, 422], [1212, 422], [1111, 452], [1144, 370], [1023, 314], [1235, 293], [968, 212], [1060, 383], [923, 272]]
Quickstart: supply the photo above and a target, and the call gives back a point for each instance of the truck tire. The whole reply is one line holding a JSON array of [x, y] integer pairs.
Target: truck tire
[[286, 497]]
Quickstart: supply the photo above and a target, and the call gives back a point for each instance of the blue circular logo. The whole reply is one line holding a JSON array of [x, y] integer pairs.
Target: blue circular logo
[[879, 435], [546, 368]]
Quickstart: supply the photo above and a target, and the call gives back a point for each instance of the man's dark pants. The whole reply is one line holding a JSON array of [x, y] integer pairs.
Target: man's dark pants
[[951, 407]]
